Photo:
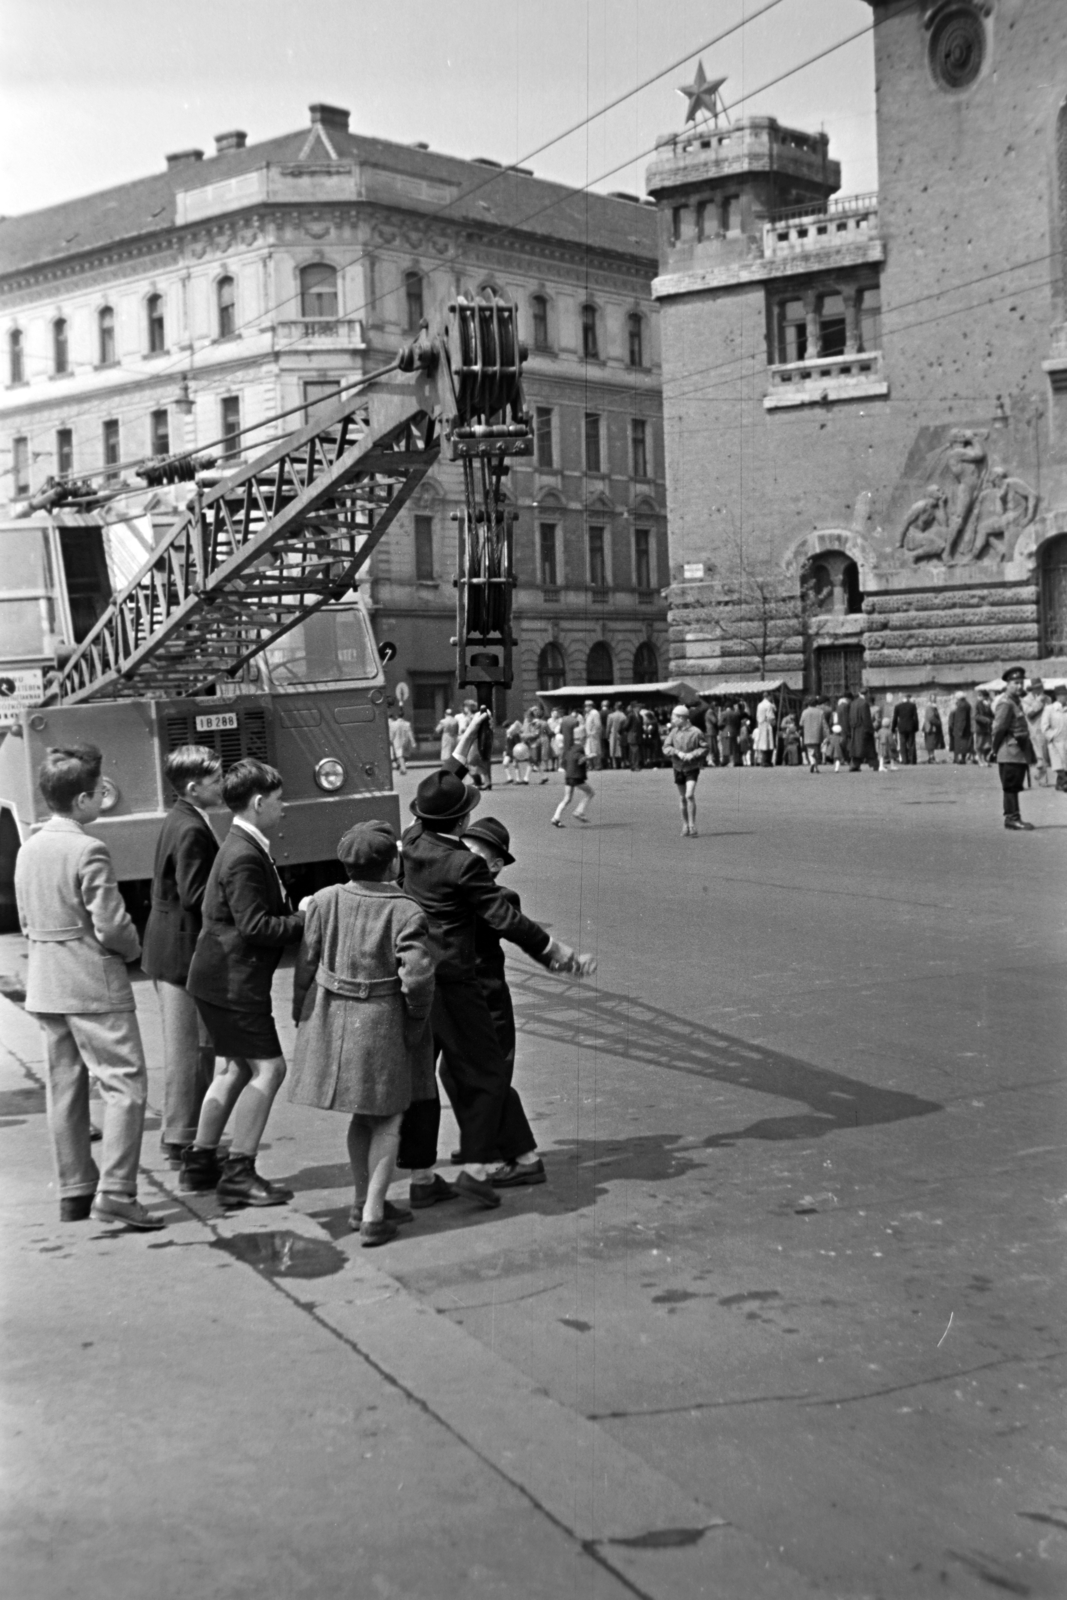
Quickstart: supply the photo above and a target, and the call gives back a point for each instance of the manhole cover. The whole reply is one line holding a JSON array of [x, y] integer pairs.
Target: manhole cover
[[284, 1254]]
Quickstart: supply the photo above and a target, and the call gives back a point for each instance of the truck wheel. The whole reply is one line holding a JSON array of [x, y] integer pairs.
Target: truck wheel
[[9, 849]]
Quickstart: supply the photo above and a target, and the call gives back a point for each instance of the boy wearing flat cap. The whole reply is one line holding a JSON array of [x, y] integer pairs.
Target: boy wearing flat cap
[[455, 888], [361, 999]]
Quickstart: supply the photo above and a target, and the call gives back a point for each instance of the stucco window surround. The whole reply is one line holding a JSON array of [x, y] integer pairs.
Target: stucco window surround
[[226, 306], [825, 542], [16, 358], [549, 512], [542, 310], [319, 287], [106, 350], [155, 323], [591, 331]]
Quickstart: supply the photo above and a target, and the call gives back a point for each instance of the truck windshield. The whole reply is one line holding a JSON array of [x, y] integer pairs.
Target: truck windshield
[[333, 646]]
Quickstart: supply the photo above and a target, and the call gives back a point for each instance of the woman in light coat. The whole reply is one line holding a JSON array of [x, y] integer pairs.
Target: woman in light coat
[[764, 740], [1054, 731], [448, 728]]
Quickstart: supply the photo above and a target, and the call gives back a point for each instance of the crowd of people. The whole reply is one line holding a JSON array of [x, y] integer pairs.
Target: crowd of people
[[399, 976]]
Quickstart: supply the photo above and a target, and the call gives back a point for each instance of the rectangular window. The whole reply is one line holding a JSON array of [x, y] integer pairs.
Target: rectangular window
[[543, 436], [64, 451], [731, 213], [319, 391], [592, 441], [413, 300], [546, 534], [14, 352], [643, 558], [111, 449], [106, 330], [539, 306], [159, 432], [424, 549], [702, 220], [677, 220], [871, 319], [598, 561], [20, 465], [590, 339], [791, 331], [231, 426], [639, 446], [832, 335], [636, 332], [157, 340]]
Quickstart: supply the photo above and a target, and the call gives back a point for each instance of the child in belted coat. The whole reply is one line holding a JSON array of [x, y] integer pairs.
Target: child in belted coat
[[362, 995]]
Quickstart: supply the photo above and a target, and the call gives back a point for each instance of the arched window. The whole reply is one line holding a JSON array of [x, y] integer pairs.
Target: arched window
[[646, 663], [413, 310], [157, 332], [539, 316], [598, 665], [830, 585], [635, 330], [820, 587], [105, 334], [850, 583], [318, 291], [60, 346], [15, 368], [590, 339], [226, 301], [551, 668]]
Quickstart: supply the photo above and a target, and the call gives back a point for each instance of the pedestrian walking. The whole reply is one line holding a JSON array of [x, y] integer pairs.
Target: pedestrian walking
[[933, 731], [983, 727], [401, 741], [861, 733], [575, 781], [513, 738], [764, 742], [593, 728], [790, 738], [185, 853], [843, 711], [883, 738], [489, 838], [79, 941], [960, 736], [744, 739], [1054, 733], [448, 728], [1011, 747], [905, 725], [1034, 702], [711, 733], [687, 748], [615, 725], [362, 995], [814, 729], [247, 924], [634, 736], [454, 889]]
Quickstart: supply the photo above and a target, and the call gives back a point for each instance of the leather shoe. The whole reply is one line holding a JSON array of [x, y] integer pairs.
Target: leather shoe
[[479, 1189], [127, 1211], [1017, 825], [373, 1233], [201, 1170], [513, 1174], [392, 1214], [75, 1207], [430, 1194], [172, 1153], [241, 1185]]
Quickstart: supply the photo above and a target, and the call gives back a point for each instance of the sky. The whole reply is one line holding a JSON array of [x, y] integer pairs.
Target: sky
[[96, 92]]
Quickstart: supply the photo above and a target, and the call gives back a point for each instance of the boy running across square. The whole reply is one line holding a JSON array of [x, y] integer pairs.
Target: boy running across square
[[575, 778]]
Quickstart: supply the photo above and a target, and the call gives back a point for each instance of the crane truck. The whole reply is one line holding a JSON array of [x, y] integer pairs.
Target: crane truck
[[243, 628]]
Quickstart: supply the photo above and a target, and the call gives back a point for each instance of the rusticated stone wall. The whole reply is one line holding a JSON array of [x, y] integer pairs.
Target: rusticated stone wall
[[915, 630], [715, 634]]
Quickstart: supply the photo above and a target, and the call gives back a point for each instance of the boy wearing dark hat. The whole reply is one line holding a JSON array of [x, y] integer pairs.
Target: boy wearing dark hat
[[489, 838], [455, 888], [362, 993], [1011, 747]]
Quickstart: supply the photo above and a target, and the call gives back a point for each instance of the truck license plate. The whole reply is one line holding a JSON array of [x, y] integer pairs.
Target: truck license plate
[[215, 720]]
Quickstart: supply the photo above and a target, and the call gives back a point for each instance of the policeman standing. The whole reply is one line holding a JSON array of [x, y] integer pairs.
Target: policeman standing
[[1011, 746]]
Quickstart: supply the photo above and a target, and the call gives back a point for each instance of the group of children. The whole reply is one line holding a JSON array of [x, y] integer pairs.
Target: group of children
[[396, 971]]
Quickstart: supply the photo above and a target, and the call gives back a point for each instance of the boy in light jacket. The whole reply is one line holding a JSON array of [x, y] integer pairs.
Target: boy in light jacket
[[80, 940]]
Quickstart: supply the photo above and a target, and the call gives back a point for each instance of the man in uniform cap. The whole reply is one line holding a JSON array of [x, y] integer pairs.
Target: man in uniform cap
[[1011, 747], [454, 887]]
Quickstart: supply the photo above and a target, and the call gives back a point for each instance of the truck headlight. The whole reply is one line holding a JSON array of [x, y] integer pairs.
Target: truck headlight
[[330, 774], [110, 796]]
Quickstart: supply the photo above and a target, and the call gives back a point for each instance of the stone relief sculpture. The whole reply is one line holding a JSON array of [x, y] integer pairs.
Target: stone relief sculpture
[[977, 511]]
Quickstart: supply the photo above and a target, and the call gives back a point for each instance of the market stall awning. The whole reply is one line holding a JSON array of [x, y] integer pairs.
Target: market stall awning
[[742, 687], [670, 689]]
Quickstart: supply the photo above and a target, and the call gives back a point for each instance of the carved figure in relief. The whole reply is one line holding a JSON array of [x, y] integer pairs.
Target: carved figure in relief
[[966, 461], [925, 532], [1005, 507]]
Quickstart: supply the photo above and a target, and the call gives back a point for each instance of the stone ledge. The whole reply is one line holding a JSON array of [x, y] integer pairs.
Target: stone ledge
[[954, 657], [950, 638], [980, 616], [761, 270], [959, 599]]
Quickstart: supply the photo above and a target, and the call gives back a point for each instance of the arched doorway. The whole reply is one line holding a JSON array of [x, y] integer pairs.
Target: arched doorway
[[646, 663], [1054, 597], [599, 668], [551, 668]]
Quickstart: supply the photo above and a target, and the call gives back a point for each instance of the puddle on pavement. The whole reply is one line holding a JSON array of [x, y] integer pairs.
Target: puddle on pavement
[[663, 1539], [284, 1254]]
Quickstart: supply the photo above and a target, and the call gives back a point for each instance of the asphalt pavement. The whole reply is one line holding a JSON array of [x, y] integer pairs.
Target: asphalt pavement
[[786, 1319]]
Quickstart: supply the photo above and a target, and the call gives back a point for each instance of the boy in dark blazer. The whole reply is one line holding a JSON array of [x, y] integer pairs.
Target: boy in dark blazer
[[185, 854], [247, 924]]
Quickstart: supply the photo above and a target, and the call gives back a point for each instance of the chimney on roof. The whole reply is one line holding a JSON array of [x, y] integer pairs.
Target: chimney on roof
[[184, 158], [331, 117], [235, 140]]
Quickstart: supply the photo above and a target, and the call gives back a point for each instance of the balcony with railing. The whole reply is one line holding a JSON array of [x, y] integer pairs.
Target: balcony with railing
[[346, 333], [826, 379], [807, 230]]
